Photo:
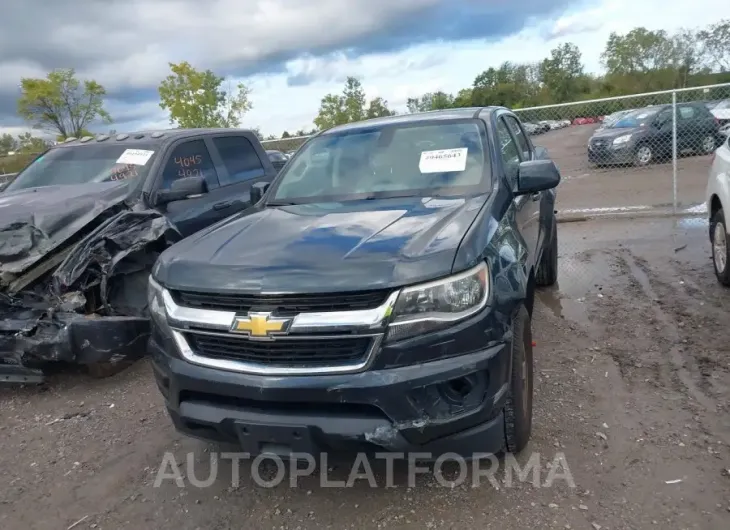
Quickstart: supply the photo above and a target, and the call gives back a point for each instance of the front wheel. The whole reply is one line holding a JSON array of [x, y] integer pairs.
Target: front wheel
[[708, 145], [720, 256], [643, 156], [518, 408]]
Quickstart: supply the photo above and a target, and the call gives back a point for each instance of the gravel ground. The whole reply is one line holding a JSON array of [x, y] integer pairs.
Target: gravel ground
[[632, 387], [587, 187]]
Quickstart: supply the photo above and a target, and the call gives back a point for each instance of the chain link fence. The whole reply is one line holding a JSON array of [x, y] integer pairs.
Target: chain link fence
[[286, 145], [638, 152]]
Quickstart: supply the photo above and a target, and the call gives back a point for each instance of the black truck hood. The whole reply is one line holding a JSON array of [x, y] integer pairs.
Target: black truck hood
[[35, 221], [323, 247]]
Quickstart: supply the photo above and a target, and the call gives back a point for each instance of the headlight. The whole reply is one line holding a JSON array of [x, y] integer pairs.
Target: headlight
[[439, 304], [621, 140], [156, 303]]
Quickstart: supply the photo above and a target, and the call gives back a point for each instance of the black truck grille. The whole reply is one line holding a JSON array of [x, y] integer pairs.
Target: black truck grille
[[282, 304], [282, 353]]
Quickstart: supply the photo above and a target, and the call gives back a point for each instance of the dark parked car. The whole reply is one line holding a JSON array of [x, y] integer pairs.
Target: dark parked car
[[82, 225], [378, 296], [643, 136], [277, 158]]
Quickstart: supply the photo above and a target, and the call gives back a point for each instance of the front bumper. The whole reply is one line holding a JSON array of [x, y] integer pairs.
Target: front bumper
[[608, 155], [420, 408], [72, 338]]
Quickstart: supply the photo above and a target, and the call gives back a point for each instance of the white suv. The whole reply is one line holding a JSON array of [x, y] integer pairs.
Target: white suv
[[718, 204]]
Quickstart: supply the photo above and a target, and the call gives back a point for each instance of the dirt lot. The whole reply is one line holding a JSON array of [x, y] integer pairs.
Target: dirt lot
[[586, 187], [633, 386]]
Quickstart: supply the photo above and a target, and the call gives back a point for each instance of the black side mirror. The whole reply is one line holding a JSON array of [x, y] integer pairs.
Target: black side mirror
[[181, 189], [258, 190], [537, 175]]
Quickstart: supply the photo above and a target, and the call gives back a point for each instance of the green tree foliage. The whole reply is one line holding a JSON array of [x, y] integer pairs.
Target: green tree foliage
[[431, 101], [716, 41], [8, 143], [196, 99], [562, 73], [61, 103], [348, 107], [638, 61], [27, 143]]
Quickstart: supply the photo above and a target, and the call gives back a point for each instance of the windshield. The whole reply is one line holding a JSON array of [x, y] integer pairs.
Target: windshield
[[392, 160], [85, 164], [635, 118]]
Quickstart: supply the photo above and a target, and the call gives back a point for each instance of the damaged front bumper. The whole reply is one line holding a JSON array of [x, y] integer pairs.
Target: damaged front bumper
[[72, 338], [85, 303], [451, 405]]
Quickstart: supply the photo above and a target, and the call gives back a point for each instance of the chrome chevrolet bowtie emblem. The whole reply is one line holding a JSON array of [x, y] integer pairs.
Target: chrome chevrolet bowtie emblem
[[260, 325]]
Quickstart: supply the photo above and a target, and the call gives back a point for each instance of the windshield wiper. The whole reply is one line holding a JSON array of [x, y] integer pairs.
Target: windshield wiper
[[282, 203]]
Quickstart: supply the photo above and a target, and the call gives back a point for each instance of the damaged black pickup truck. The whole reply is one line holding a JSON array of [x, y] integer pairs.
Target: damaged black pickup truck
[[82, 225], [377, 297]]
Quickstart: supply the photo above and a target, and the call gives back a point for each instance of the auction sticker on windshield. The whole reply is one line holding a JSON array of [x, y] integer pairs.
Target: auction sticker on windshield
[[443, 160], [137, 157]]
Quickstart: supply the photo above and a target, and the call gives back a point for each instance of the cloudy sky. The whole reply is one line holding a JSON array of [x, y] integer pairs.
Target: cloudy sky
[[292, 52]]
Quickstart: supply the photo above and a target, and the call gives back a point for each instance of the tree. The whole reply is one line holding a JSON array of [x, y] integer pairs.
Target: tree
[[688, 55], [378, 108], [562, 72], [7, 144], [639, 51], [195, 99], [27, 143], [716, 41], [431, 101], [285, 134], [348, 107], [61, 103]]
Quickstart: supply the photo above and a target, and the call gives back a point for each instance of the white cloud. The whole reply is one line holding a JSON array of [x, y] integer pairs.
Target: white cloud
[[452, 66], [397, 76]]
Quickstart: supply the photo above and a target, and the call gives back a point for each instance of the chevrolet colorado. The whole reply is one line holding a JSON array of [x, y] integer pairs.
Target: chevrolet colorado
[[378, 295], [82, 225]]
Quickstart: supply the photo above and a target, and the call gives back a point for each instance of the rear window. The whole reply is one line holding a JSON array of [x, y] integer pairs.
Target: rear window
[[404, 160]]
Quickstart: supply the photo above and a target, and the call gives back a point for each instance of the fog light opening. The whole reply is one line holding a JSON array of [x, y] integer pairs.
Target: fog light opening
[[457, 390]]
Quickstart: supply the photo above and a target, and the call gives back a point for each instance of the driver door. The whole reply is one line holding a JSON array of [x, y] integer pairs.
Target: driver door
[[192, 158]]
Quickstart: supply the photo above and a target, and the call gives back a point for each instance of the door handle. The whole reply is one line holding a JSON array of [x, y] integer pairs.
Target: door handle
[[221, 205]]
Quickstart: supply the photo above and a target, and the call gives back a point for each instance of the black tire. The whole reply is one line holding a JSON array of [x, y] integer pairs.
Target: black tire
[[518, 408], [722, 271], [547, 269], [704, 145], [640, 157]]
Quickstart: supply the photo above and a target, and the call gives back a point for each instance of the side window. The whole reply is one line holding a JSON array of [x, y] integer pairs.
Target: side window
[[686, 112], [522, 142], [664, 117], [190, 159], [508, 149], [240, 158]]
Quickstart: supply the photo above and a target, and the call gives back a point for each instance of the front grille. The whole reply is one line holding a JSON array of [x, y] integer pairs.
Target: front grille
[[282, 353], [282, 304]]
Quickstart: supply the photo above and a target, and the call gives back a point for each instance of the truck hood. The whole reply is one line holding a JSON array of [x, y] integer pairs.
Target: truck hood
[[721, 114], [35, 221], [328, 247]]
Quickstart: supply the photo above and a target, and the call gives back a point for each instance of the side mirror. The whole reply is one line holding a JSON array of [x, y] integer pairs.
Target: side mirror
[[181, 189], [537, 175], [258, 190]]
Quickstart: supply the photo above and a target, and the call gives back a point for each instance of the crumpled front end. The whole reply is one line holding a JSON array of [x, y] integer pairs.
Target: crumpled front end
[[85, 302]]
